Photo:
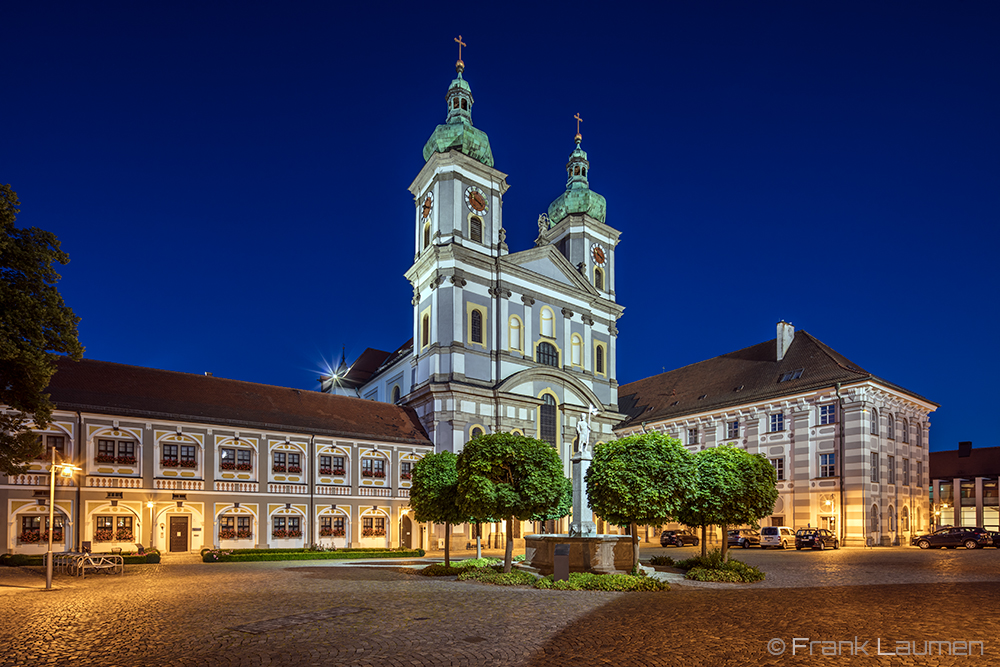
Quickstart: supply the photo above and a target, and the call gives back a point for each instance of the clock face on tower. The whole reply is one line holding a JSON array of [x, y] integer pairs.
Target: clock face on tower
[[476, 200], [597, 252]]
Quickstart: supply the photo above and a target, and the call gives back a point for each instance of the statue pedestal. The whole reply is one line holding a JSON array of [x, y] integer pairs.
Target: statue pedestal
[[600, 554], [582, 524]]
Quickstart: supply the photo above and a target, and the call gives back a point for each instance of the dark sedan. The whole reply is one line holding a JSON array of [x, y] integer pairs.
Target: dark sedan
[[678, 538], [954, 536], [744, 537], [815, 538]]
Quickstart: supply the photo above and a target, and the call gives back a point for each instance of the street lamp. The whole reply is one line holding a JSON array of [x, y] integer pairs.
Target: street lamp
[[65, 470]]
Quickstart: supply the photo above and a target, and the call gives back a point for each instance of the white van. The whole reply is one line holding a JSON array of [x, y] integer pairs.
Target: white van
[[776, 536]]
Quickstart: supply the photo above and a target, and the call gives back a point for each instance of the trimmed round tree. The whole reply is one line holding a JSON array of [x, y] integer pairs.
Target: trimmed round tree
[[434, 494], [510, 476], [734, 487], [639, 479]]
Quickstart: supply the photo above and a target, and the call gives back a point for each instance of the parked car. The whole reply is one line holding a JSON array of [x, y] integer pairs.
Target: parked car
[[744, 537], [778, 537], [815, 538], [950, 537], [994, 537], [678, 538]]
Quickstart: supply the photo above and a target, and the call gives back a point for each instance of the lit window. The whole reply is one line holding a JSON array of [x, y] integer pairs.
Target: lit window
[[548, 355], [777, 422], [779, 469], [827, 465], [874, 476], [732, 430], [827, 414]]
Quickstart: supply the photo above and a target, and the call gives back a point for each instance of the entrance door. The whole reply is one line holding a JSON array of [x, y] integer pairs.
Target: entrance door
[[178, 533], [406, 538]]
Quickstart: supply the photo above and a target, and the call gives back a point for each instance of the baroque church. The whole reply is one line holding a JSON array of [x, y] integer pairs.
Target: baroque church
[[502, 341]]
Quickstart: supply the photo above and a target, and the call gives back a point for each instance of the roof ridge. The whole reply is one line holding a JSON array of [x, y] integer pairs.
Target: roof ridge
[[830, 353]]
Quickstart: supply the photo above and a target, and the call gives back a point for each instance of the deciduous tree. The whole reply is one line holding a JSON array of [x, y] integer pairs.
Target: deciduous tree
[[434, 494], [510, 476], [36, 327], [640, 479]]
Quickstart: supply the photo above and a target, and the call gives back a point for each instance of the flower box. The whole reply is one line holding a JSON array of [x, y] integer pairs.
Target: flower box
[[104, 458], [367, 473], [104, 535], [188, 463], [244, 534], [244, 466], [126, 460], [338, 471], [326, 532], [168, 463], [373, 532], [339, 532], [124, 535], [29, 538], [57, 536], [279, 533], [294, 468], [227, 534], [379, 473], [294, 533], [406, 475], [278, 467], [227, 465], [326, 471]]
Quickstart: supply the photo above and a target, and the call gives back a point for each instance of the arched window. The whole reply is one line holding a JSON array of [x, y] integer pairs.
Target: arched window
[[514, 333], [548, 323], [584, 171], [425, 330], [874, 427], [465, 105], [890, 428], [576, 351], [576, 170], [920, 435], [548, 355], [476, 229], [599, 359], [395, 394], [892, 519], [905, 426], [454, 104], [427, 234], [599, 278], [476, 326], [873, 519], [476, 432], [904, 519], [547, 420]]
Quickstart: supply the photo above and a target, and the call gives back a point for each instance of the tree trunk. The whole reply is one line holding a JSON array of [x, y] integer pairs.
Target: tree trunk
[[447, 545], [725, 543], [635, 546], [508, 556], [704, 543], [479, 540]]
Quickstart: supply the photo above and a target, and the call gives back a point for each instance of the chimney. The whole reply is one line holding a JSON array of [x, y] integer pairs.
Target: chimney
[[964, 450], [786, 332]]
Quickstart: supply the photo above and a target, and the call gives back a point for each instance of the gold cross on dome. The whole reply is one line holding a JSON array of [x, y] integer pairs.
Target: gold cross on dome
[[578, 121], [460, 45]]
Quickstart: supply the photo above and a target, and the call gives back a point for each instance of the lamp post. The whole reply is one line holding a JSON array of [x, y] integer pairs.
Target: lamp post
[[150, 504], [65, 470]]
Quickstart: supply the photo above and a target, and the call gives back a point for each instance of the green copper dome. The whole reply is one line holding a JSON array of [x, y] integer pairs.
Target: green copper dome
[[457, 131], [578, 198]]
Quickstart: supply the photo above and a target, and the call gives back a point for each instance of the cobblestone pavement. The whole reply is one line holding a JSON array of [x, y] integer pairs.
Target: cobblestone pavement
[[325, 613]]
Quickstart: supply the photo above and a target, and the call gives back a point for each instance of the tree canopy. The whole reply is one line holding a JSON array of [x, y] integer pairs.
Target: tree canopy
[[734, 488], [509, 476], [36, 327], [640, 479], [434, 494]]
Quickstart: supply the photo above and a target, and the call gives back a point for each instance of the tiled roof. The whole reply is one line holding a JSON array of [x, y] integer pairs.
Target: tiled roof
[[364, 367], [746, 376], [981, 462], [109, 388]]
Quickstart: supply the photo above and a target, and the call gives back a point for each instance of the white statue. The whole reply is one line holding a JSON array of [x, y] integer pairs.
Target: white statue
[[583, 429]]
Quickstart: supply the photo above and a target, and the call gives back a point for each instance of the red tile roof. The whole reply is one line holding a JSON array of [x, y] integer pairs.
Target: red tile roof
[[981, 462], [745, 376], [148, 393]]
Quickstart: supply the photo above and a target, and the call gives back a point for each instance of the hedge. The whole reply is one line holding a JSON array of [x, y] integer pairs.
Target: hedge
[[251, 555]]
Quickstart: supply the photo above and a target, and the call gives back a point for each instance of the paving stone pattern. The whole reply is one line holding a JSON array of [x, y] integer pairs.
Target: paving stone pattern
[[331, 613]]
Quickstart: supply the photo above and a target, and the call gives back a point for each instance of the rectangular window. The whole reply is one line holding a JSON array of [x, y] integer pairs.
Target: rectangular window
[[105, 451], [325, 465], [188, 459], [227, 528], [126, 452], [366, 468], [890, 462], [169, 459], [732, 430], [279, 462], [920, 473], [49, 442], [31, 529], [294, 462], [338, 465], [243, 529], [227, 460], [379, 469], [405, 470], [827, 465], [827, 414], [692, 436], [294, 526], [243, 459], [874, 468], [906, 472], [779, 468], [777, 422], [326, 526], [278, 529]]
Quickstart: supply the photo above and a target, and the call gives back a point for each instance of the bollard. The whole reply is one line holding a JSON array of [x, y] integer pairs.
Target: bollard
[[560, 563]]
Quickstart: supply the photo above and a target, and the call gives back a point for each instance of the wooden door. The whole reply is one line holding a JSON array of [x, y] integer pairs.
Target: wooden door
[[406, 539], [178, 533]]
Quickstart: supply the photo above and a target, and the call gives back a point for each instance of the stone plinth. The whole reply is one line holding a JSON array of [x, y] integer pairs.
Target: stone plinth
[[600, 554]]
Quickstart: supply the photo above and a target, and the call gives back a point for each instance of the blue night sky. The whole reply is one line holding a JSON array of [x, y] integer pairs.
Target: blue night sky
[[230, 179]]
